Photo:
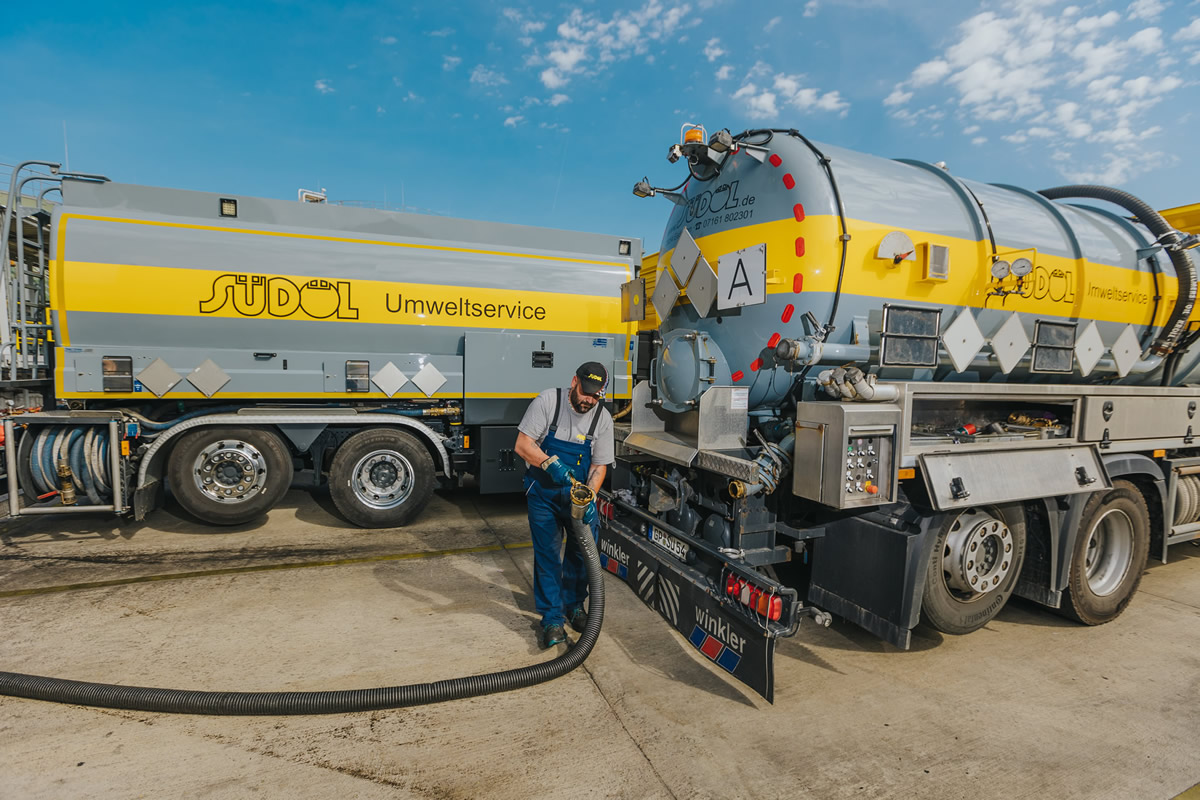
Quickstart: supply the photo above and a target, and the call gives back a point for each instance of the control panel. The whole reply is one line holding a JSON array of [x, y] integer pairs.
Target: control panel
[[845, 453]]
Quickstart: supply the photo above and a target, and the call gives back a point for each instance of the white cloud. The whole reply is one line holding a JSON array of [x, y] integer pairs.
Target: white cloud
[[412, 97], [380, 110], [967, 131], [978, 140], [388, 40], [552, 79], [558, 99], [772, 23], [396, 80], [898, 97], [1189, 34], [512, 122], [1146, 9], [810, 8], [929, 73], [1093, 24], [724, 73], [450, 62], [482, 76], [442, 33], [759, 104], [713, 49], [322, 86], [1147, 41]]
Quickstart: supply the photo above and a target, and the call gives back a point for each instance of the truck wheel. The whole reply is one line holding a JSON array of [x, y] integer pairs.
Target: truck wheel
[[381, 478], [229, 476], [973, 568], [1110, 553]]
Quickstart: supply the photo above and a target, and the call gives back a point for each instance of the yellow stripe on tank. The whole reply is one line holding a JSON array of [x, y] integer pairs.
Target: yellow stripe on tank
[[1059, 286], [105, 288]]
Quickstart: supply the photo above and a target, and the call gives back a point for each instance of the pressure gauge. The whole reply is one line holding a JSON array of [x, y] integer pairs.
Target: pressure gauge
[[1022, 267], [1000, 270]]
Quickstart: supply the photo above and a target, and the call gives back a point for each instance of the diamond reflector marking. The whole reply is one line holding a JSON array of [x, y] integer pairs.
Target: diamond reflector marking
[[429, 380], [1010, 343], [1089, 347], [208, 377], [390, 379], [683, 260], [665, 294], [159, 377], [702, 288], [1126, 351], [963, 339]]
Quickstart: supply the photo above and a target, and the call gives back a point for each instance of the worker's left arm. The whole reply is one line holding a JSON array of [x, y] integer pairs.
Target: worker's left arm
[[595, 478]]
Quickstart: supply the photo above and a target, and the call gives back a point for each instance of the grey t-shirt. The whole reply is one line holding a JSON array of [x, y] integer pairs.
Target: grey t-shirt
[[572, 426]]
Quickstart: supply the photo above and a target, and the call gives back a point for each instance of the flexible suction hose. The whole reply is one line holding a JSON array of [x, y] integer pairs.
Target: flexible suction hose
[[1185, 270], [183, 701]]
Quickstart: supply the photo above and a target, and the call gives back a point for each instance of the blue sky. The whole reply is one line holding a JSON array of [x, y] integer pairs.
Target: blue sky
[[546, 114]]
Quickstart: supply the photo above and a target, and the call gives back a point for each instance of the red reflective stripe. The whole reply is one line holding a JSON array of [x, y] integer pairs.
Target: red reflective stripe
[[798, 283], [774, 340], [776, 160], [787, 313], [798, 210], [756, 365], [789, 181], [737, 376], [799, 246], [613, 566]]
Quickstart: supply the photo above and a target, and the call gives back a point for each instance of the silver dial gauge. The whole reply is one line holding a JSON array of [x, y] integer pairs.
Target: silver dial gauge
[[1000, 270], [1022, 267]]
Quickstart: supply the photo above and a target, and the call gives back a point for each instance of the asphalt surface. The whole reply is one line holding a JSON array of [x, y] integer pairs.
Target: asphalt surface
[[1030, 706]]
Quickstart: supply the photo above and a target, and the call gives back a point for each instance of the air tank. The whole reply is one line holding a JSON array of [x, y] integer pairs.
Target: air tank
[[838, 252]]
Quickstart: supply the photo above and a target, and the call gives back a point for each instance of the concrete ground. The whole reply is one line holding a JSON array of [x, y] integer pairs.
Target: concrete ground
[[1030, 706]]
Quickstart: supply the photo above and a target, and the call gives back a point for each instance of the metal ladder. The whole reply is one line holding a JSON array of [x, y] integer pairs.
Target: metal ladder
[[26, 329]]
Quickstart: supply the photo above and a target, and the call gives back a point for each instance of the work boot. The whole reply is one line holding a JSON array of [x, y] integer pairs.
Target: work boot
[[552, 635], [577, 619]]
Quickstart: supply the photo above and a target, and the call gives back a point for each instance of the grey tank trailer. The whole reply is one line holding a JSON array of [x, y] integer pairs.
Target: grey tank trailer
[[881, 391], [227, 346]]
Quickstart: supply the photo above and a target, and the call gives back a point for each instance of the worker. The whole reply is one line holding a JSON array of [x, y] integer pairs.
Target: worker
[[560, 441]]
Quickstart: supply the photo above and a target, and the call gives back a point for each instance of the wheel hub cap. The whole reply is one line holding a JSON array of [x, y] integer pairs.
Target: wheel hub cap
[[1109, 551], [382, 479], [978, 553], [230, 471]]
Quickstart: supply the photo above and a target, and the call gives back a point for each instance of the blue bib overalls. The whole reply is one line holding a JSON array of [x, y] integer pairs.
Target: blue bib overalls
[[559, 582]]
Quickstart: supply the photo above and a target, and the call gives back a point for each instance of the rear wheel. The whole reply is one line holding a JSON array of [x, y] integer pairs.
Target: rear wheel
[[229, 476], [1109, 555], [381, 478], [973, 568]]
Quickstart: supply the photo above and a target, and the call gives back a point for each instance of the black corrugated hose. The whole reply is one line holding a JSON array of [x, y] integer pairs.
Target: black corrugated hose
[[184, 701], [1185, 270]]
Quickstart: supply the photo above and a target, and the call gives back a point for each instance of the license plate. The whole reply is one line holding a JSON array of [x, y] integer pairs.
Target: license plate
[[669, 543]]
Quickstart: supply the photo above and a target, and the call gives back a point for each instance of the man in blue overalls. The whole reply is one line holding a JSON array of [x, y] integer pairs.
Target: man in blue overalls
[[559, 440]]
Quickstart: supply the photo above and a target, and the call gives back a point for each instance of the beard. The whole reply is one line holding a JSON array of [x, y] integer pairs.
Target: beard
[[577, 401]]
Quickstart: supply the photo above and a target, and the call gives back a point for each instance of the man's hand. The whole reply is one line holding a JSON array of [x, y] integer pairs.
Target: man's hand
[[559, 472], [590, 514]]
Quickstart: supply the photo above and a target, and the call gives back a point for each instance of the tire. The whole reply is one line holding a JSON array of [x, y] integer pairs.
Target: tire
[[229, 476], [954, 600], [381, 478], [1111, 548]]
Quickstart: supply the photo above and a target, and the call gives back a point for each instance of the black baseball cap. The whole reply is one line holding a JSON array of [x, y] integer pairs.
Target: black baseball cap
[[592, 378]]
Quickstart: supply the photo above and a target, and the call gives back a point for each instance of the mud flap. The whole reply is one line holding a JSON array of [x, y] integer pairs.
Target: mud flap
[[684, 598]]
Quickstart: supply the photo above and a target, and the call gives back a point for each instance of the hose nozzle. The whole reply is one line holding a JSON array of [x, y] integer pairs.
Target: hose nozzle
[[582, 496]]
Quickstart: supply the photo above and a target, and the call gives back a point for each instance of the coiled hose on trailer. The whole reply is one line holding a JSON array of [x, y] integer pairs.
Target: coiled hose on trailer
[[85, 448], [185, 701]]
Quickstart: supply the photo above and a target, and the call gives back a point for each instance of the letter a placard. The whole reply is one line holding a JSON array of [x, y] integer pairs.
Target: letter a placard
[[742, 278]]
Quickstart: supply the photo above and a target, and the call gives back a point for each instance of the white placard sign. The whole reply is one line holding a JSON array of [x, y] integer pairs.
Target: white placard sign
[[742, 277]]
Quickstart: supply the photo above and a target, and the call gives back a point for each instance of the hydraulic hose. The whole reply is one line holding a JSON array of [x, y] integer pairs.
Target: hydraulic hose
[[1185, 270], [184, 701]]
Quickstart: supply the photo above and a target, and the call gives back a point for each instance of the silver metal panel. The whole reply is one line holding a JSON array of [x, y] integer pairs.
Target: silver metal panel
[[1126, 351], [1142, 417], [962, 340], [702, 287], [1010, 343], [724, 422], [503, 361], [428, 379], [390, 379], [159, 377], [729, 464], [1089, 348], [208, 377], [649, 432], [683, 259], [1007, 476], [633, 300], [830, 442], [665, 294]]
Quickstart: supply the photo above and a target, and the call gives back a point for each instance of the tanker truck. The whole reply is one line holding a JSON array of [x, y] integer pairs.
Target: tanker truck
[[881, 391], [228, 346]]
